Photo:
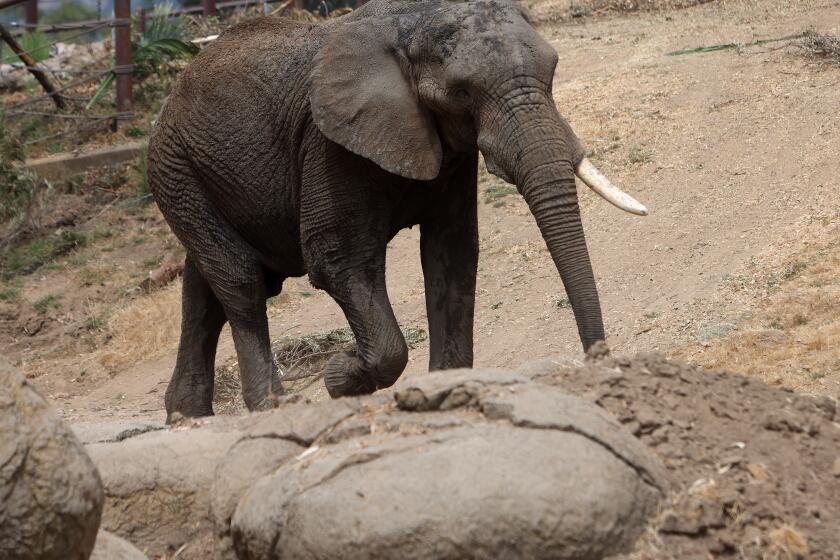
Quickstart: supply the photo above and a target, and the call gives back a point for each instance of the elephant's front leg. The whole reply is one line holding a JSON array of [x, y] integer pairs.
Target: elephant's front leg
[[381, 354], [449, 251]]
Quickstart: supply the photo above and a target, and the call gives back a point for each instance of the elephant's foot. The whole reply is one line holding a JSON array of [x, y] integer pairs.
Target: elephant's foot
[[264, 396], [177, 416], [345, 376], [188, 402]]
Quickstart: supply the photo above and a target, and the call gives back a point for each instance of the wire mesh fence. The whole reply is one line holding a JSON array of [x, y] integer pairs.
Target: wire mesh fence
[[71, 83]]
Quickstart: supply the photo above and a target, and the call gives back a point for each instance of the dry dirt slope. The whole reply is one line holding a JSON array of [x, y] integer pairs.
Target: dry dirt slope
[[729, 150]]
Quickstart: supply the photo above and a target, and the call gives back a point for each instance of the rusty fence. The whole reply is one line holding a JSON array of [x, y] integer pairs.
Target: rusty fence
[[123, 65]]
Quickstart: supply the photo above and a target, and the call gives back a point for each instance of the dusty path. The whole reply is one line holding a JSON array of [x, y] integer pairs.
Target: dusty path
[[727, 149]]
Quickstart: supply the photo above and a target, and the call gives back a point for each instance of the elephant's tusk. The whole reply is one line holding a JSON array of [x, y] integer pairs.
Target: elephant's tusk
[[596, 181]]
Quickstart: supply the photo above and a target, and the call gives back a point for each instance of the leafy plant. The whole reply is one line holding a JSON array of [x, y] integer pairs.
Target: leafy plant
[[35, 43], [162, 42], [162, 25]]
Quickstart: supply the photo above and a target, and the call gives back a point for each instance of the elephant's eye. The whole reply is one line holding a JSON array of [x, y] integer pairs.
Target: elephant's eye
[[461, 94]]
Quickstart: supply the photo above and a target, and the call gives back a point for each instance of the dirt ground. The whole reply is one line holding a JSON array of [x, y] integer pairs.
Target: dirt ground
[[754, 471], [734, 152]]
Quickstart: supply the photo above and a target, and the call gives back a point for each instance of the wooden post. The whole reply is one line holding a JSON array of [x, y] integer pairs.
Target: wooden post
[[32, 66], [209, 7], [31, 14], [122, 44], [140, 23]]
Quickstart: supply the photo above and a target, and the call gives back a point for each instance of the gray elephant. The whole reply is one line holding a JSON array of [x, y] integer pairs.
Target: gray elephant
[[289, 148]]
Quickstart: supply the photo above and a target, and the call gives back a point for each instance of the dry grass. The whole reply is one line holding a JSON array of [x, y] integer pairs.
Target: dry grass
[[636, 5], [821, 46], [145, 327], [300, 360], [559, 10], [791, 541], [793, 335]]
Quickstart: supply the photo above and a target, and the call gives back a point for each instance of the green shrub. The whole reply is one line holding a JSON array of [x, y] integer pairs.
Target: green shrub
[[52, 301], [163, 42], [17, 186], [9, 293], [31, 256], [69, 11]]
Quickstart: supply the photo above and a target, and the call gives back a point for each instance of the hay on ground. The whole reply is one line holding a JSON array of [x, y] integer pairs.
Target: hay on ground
[[300, 361], [822, 46]]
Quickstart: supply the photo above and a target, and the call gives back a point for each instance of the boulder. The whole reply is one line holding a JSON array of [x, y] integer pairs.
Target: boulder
[[50, 492], [109, 432], [166, 486], [157, 483], [111, 547], [268, 440], [463, 464], [475, 463]]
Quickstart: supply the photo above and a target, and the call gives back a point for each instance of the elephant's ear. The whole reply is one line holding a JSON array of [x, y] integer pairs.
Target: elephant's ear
[[361, 100]]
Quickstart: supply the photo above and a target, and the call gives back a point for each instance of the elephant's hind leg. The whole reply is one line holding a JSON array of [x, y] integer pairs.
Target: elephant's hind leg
[[381, 354], [233, 271], [190, 391]]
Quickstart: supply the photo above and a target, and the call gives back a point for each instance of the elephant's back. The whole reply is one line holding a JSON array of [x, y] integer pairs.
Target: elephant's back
[[257, 57], [259, 35], [245, 90]]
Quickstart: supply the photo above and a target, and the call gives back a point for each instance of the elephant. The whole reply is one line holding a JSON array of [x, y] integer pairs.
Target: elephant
[[290, 148]]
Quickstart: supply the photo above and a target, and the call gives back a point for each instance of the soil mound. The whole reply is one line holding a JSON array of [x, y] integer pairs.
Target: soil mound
[[756, 469]]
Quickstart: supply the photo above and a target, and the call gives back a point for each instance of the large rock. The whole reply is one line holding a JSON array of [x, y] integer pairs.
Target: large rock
[[481, 463], [50, 492], [464, 464], [157, 484], [267, 442], [165, 487], [110, 432]]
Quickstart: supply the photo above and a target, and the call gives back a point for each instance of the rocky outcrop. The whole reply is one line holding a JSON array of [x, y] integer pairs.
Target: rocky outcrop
[[50, 492], [456, 464], [157, 484], [464, 464]]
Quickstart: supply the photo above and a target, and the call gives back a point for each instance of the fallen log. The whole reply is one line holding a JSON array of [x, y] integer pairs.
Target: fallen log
[[169, 270]]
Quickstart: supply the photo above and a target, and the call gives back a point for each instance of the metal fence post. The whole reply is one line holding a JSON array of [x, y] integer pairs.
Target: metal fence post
[[122, 44], [31, 14], [209, 7], [140, 23]]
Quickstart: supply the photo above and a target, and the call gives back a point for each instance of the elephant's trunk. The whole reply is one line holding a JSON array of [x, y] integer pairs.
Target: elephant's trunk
[[536, 149]]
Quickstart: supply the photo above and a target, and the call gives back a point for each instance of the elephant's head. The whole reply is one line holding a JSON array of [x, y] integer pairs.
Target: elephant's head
[[406, 78]]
